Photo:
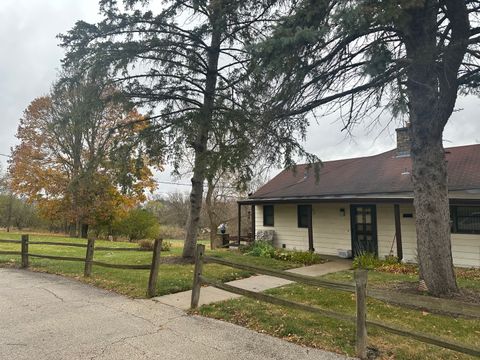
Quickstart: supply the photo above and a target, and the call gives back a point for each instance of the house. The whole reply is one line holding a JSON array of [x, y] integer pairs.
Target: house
[[366, 204]]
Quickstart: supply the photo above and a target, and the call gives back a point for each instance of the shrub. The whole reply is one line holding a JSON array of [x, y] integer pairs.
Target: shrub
[[390, 260], [166, 245], [262, 249], [304, 257], [138, 224], [366, 261], [265, 249], [145, 244]]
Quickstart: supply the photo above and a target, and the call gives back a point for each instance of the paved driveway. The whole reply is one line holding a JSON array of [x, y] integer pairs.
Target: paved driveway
[[49, 317]]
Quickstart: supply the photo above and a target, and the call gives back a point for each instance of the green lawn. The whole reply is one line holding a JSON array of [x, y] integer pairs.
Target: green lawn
[[172, 277], [321, 332], [378, 279]]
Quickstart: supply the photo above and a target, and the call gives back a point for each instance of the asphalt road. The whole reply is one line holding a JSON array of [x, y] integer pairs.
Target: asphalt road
[[50, 317]]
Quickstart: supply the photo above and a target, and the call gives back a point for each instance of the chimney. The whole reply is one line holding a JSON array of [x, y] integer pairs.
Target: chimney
[[403, 141]]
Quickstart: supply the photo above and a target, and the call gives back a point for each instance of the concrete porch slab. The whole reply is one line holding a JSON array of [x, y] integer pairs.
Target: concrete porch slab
[[325, 268]]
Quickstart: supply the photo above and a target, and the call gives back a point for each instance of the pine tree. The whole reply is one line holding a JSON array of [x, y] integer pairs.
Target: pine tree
[[188, 63], [411, 57]]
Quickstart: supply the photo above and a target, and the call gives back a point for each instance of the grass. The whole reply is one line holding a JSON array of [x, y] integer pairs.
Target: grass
[[466, 279], [333, 335], [172, 277]]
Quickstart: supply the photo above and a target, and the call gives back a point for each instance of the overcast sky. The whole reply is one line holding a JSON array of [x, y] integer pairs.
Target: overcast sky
[[30, 58]]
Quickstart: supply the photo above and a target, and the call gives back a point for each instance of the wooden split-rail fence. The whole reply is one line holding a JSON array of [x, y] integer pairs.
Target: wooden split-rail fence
[[89, 257], [359, 288]]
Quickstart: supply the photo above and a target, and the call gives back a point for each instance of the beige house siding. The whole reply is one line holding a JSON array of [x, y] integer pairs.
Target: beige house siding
[[466, 250], [331, 231], [285, 227]]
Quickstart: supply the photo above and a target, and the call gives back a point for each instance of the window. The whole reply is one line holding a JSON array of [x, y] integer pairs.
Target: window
[[303, 215], [465, 219], [268, 215]]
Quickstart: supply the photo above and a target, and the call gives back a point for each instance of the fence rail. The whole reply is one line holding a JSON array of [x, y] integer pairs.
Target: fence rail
[[10, 253], [51, 243], [433, 305], [361, 294], [10, 241], [89, 257], [307, 280]]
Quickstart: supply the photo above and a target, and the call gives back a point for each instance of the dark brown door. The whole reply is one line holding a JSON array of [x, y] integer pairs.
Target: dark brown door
[[364, 229]]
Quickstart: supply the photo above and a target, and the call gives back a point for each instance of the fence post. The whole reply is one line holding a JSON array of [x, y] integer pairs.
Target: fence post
[[152, 280], [89, 257], [25, 251], [196, 276], [361, 294]]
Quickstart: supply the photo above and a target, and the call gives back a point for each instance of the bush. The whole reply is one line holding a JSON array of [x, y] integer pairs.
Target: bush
[[138, 224], [166, 245], [301, 257], [390, 260], [366, 261], [261, 249], [265, 249], [146, 244]]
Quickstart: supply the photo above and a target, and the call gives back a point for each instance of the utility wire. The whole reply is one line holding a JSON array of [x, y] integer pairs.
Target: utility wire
[[189, 185]]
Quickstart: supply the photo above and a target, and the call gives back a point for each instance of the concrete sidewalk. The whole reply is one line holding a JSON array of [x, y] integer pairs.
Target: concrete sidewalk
[[49, 317], [256, 283]]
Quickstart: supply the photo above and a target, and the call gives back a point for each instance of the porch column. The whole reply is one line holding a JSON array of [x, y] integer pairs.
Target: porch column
[[239, 233], [398, 231], [253, 222], [310, 229]]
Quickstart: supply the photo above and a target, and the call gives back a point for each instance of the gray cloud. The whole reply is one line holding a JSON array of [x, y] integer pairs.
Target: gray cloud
[[30, 55], [30, 59]]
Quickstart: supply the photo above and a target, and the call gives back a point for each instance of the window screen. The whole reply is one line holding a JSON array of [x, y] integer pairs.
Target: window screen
[[303, 215], [465, 219], [268, 215]]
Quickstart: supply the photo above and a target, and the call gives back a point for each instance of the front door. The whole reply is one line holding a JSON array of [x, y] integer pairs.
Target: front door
[[364, 229]]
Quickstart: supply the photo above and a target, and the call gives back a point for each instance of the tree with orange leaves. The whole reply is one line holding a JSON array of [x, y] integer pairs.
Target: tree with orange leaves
[[79, 155]]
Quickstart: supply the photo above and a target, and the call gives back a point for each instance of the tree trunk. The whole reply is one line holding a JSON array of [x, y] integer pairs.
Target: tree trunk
[[72, 230], [211, 214], [433, 217], [201, 143], [9, 211], [84, 233], [432, 92], [196, 198]]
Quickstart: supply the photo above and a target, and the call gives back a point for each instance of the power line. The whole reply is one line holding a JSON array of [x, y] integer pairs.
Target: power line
[[189, 185], [172, 183]]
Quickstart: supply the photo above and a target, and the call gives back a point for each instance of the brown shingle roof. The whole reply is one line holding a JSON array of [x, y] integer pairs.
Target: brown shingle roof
[[379, 174]]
